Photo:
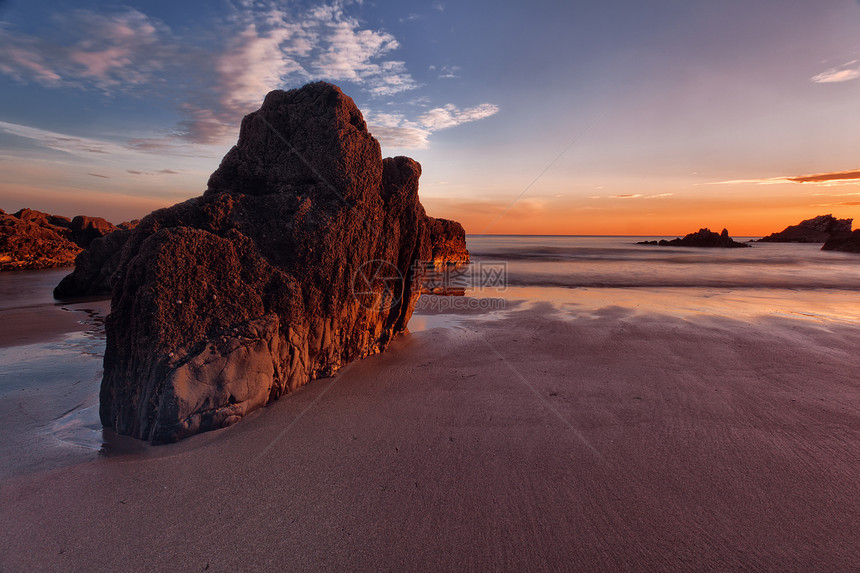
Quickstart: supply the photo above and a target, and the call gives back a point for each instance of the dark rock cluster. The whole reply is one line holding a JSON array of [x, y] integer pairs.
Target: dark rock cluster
[[701, 238], [300, 257], [94, 267], [32, 239], [816, 230], [850, 243]]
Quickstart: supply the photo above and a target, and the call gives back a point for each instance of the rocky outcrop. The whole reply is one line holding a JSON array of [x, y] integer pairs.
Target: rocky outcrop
[[297, 259], [816, 230], [34, 240], [94, 268], [448, 241], [849, 243], [701, 238], [84, 230]]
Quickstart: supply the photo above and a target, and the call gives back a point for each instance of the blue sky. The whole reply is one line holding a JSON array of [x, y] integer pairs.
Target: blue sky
[[577, 117]]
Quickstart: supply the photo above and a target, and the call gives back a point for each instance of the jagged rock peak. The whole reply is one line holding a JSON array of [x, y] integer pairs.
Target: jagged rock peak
[[816, 230]]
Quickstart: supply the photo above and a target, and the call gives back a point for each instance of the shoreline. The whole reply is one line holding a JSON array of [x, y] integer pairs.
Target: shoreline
[[542, 436]]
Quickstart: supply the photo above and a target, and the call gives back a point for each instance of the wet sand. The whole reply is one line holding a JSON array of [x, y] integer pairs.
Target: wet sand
[[38, 324], [548, 437]]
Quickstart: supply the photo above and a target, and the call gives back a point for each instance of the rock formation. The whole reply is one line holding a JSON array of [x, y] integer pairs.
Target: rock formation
[[297, 259], [816, 230], [701, 238], [849, 243], [84, 230], [448, 241], [94, 267], [35, 240]]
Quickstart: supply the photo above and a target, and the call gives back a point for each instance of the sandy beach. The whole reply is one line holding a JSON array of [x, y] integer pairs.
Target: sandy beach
[[544, 437]]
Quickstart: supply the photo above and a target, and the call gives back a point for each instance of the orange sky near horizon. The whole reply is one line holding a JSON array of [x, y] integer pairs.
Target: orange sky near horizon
[[603, 118], [627, 217], [745, 211]]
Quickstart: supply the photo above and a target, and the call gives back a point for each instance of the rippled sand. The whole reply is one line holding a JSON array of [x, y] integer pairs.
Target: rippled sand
[[590, 429]]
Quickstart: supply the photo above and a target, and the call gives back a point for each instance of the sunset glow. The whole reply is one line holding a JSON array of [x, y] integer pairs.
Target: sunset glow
[[585, 118]]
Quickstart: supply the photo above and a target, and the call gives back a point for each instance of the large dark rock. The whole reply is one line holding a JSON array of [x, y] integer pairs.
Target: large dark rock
[[702, 238], [94, 268], [34, 240], [849, 243], [816, 230], [298, 258]]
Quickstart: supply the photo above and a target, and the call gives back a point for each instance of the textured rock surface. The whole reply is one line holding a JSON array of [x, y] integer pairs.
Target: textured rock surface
[[35, 240], [297, 259], [448, 241], [32, 239], [84, 230], [849, 243], [94, 267], [701, 238], [816, 230]]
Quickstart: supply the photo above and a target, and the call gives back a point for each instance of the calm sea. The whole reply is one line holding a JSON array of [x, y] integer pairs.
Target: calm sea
[[589, 271], [619, 262]]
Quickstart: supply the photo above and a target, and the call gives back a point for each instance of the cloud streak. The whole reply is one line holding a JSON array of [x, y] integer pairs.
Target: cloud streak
[[844, 73], [130, 53], [213, 82], [107, 52], [824, 179], [396, 131]]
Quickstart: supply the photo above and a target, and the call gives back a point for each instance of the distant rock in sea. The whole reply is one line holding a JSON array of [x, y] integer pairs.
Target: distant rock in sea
[[448, 241], [301, 256], [816, 230], [32, 239], [849, 243], [701, 238]]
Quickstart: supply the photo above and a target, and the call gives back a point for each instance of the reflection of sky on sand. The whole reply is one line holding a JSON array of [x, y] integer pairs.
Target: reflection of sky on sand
[[57, 382], [687, 303], [740, 304]]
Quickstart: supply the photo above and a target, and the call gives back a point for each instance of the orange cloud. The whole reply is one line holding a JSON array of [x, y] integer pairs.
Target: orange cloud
[[834, 177], [822, 177]]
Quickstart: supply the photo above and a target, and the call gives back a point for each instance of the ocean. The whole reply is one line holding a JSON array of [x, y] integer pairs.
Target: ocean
[[575, 275]]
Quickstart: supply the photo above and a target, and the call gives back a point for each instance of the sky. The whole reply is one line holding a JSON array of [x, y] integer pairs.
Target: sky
[[539, 117]]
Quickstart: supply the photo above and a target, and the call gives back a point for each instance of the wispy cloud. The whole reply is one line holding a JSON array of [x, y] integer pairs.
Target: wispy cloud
[[107, 52], [450, 115], [450, 72], [128, 52], [824, 179], [396, 131], [214, 82], [633, 196], [79, 146], [845, 72]]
